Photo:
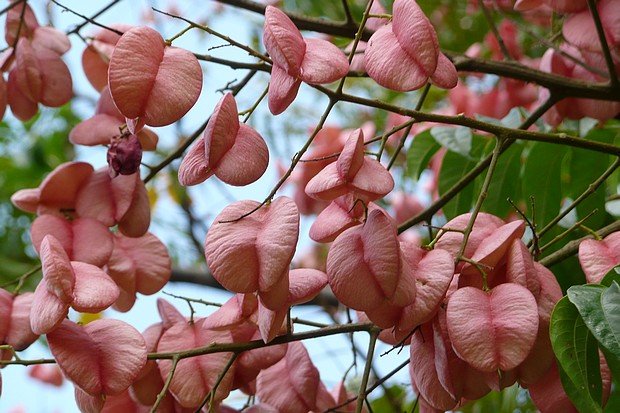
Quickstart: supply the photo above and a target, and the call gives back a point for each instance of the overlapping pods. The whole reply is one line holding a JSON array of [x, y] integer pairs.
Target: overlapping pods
[[150, 81], [65, 284], [352, 173], [252, 253], [405, 55], [295, 59], [228, 149]]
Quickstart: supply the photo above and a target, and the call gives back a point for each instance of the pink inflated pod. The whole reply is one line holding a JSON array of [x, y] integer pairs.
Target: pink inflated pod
[[541, 356], [491, 253], [358, 63], [324, 150], [342, 213], [3, 97], [148, 383], [239, 310], [580, 30], [366, 269], [37, 73], [493, 330], [41, 75], [57, 193], [353, 173], [151, 80], [15, 321], [549, 396], [457, 377], [293, 384], [405, 55], [295, 59], [121, 201], [49, 374], [231, 150], [102, 358], [41, 37], [107, 123], [138, 265], [250, 363], [83, 239], [253, 253], [341, 395], [96, 55], [520, 267], [452, 238], [195, 376], [22, 107], [13, 24], [574, 108], [598, 257], [433, 271], [423, 372], [304, 285], [81, 286]]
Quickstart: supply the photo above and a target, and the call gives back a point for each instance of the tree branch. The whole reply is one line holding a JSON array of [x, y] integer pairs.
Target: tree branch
[[572, 247], [600, 30], [513, 70]]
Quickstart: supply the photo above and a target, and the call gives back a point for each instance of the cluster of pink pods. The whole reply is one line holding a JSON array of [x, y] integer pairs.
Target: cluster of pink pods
[[476, 316]]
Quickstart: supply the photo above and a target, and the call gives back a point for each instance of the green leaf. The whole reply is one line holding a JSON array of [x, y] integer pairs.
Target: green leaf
[[505, 182], [453, 168], [542, 180], [577, 354], [588, 300], [420, 153], [610, 301], [611, 276], [457, 139], [585, 167]]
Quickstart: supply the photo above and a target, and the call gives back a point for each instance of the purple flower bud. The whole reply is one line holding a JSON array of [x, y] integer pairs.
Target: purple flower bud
[[124, 155]]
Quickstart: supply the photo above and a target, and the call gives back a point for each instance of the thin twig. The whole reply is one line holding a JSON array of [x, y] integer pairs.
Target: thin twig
[[217, 34], [482, 196], [21, 279], [532, 225], [578, 224], [600, 30], [210, 397], [513, 70], [572, 247], [406, 132], [347, 12], [79, 27], [187, 142], [317, 128], [373, 387], [363, 386], [428, 213], [589, 191], [493, 27], [87, 19], [164, 390]]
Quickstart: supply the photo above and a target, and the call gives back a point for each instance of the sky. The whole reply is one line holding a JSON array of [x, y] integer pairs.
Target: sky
[[332, 355]]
